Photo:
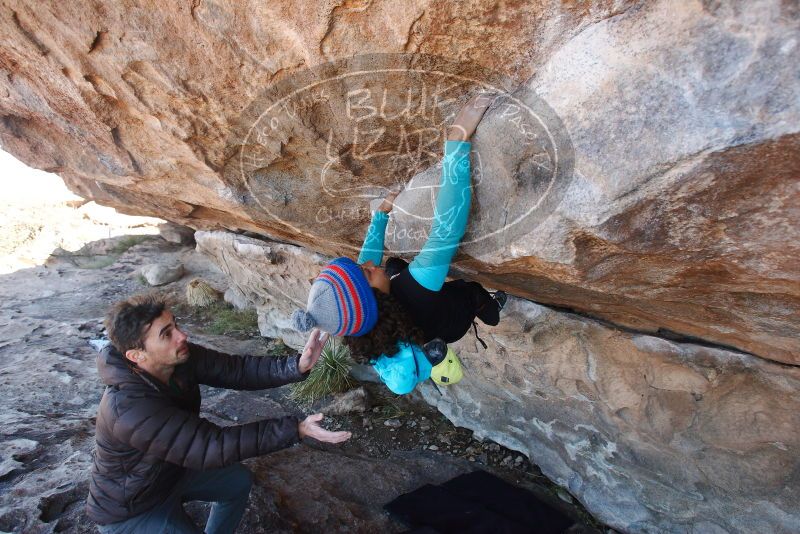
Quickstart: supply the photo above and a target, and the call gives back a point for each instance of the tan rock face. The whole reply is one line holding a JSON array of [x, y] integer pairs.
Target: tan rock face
[[692, 260], [676, 132], [650, 435], [273, 278]]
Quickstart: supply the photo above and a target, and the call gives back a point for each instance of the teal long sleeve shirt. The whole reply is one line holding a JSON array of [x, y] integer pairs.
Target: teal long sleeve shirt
[[429, 268]]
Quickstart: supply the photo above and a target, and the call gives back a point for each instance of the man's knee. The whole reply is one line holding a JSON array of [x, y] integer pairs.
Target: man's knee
[[240, 478]]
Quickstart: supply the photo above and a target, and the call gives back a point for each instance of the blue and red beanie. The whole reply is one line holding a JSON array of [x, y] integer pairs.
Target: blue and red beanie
[[341, 301]]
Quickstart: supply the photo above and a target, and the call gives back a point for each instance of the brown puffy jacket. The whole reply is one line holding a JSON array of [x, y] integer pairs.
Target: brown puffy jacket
[[147, 433]]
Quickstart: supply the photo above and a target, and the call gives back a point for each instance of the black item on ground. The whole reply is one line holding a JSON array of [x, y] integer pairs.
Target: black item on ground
[[435, 507], [508, 500], [477, 503]]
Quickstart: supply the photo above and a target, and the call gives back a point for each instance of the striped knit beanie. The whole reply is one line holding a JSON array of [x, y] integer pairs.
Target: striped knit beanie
[[341, 301]]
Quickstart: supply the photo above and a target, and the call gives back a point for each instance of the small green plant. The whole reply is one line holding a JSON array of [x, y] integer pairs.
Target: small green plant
[[227, 320], [278, 348], [93, 262], [127, 242], [330, 375], [390, 411], [86, 258], [141, 279]]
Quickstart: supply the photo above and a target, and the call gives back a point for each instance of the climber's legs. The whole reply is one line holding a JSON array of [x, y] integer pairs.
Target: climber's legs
[[395, 266], [488, 305]]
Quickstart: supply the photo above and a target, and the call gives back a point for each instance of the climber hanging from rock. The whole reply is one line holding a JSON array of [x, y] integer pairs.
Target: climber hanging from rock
[[398, 318]]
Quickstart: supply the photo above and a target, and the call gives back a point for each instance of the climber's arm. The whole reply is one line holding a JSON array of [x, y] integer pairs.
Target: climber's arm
[[469, 117], [372, 249], [450, 215]]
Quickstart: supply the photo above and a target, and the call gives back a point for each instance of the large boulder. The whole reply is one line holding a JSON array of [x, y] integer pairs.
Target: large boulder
[[641, 168], [650, 434], [159, 274]]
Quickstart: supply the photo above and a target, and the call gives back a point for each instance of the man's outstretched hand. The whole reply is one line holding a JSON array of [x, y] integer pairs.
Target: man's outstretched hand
[[310, 427], [312, 350]]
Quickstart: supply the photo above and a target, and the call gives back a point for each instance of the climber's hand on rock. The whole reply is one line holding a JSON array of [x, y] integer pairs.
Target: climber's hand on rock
[[309, 427], [388, 201], [469, 116]]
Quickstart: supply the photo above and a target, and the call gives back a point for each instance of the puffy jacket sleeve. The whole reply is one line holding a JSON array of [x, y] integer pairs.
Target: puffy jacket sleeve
[[156, 427], [243, 372]]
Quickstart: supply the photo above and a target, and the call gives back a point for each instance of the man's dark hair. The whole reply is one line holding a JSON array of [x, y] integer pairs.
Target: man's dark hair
[[394, 324], [127, 321]]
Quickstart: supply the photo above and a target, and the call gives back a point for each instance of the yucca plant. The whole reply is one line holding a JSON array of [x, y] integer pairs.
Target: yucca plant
[[331, 374], [200, 293]]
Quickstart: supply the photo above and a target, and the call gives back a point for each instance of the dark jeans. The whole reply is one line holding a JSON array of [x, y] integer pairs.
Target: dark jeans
[[394, 266], [488, 311], [486, 308], [228, 488]]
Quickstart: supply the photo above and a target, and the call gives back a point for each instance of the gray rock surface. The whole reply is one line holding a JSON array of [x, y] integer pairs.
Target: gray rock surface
[[176, 233], [353, 401], [649, 434], [285, 271], [303, 483], [364, 373], [159, 274], [236, 298]]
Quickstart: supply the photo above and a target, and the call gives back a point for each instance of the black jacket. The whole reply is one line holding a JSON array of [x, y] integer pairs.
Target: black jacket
[[147, 433]]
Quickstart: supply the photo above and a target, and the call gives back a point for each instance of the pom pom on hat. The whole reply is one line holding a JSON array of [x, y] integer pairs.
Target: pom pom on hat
[[302, 321]]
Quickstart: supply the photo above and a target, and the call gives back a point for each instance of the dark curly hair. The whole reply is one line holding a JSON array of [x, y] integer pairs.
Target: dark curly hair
[[394, 324], [127, 321]]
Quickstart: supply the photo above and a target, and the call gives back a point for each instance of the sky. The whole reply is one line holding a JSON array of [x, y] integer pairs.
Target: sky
[[22, 184], [36, 217]]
